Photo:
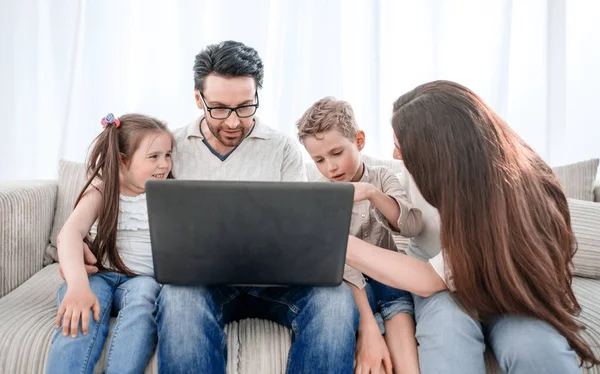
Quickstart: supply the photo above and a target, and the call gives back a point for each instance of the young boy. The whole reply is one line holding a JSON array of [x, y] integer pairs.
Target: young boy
[[329, 133]]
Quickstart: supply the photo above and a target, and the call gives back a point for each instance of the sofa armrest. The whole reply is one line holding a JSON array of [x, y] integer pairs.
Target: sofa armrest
[[597, 192], [585, 221], [26, 214]]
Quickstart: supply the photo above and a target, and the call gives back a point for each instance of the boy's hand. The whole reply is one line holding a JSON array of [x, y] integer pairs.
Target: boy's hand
[[89, 260], [76, 305], [362, 191], [372, 354]]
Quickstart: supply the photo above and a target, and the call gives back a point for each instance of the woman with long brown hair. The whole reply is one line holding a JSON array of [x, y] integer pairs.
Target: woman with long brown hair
[[505, 238]]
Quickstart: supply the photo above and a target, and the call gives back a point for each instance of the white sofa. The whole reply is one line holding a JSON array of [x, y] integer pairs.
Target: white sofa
[[31, 213]]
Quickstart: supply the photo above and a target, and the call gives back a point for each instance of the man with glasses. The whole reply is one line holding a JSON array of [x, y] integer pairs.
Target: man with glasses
[[229, 142]]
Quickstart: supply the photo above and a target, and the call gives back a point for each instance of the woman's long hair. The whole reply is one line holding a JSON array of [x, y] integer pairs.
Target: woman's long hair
[[112, 149], [505, 224]]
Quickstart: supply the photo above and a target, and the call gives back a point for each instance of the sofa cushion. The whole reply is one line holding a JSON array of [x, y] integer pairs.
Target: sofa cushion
[[254, 346], [578, 179], [585, 221], [27, 324], [587, 292], [26, 214], [71, 179]]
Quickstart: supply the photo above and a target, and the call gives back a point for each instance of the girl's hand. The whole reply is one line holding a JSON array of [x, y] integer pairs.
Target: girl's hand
[[76, 305]]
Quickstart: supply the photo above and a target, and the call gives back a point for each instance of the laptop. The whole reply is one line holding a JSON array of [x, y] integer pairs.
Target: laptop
[[249, 233]]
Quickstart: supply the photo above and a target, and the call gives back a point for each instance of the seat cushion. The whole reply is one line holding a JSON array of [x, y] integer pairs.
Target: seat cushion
[[254, 346], [587, 292], [27, 324]]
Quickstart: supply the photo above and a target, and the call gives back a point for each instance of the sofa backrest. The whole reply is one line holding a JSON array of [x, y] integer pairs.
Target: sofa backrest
[[577, 180]]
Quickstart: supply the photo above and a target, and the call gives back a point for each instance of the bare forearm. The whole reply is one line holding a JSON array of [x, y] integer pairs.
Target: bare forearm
[[394, 269], [387, 206], [70, 256]]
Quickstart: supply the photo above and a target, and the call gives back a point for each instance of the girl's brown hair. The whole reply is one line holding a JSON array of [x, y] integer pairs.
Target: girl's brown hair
[[112, 149], [505, 224]]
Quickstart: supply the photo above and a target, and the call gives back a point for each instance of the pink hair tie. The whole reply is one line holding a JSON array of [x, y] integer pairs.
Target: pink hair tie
[[109, 120]]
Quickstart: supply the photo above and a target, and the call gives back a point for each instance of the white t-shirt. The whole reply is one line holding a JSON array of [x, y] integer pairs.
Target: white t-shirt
[[133, 235]]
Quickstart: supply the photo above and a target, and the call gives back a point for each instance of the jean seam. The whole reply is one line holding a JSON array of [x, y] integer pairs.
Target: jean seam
[[118, 325], [98, 325], [224, 302], [218, 318], [294, 327]]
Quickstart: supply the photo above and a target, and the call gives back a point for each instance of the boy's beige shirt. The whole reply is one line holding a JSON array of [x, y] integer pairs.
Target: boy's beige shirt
[[370, 225]]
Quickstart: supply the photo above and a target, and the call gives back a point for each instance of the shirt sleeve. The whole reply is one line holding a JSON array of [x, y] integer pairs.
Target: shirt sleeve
[[439, 265], [354, 277], [410, 220], [292, 169]]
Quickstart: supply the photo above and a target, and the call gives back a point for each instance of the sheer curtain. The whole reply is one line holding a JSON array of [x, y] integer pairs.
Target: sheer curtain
[[65, 64]]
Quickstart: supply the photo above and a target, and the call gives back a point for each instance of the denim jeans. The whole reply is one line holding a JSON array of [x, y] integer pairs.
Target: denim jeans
[[133, 338], [450, 341], [387, 301], [191, 320]]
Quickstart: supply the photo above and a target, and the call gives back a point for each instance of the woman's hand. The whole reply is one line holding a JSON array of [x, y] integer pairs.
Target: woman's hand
[[76, 305]]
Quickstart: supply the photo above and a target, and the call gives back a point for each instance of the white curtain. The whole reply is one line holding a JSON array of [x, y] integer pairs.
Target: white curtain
[[65, 64]]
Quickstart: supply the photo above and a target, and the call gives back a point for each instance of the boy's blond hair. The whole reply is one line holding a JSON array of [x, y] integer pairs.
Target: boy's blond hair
[[327, 114]]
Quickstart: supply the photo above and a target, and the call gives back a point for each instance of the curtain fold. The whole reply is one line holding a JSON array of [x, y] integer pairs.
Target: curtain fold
[[65, 64]]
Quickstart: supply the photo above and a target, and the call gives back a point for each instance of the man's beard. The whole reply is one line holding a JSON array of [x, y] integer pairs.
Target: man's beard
[[228, 141]]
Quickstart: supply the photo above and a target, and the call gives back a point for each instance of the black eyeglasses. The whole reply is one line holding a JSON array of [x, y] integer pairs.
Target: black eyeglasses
[[242, 111]]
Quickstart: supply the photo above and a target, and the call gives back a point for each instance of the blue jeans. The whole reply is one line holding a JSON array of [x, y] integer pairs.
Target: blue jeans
[[450, 341], [387, 301], [133, 339], [191, 339]]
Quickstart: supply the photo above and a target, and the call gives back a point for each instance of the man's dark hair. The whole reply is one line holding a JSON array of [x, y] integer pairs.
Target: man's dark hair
[[229, 59]]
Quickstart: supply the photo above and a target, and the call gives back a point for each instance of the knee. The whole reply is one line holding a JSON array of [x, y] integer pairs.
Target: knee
[[523, 341], [185, 315], [335, 306], [441, 320], [144, 288], [182, 302]]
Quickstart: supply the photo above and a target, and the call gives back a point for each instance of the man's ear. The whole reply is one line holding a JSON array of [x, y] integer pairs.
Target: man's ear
[[360, 139], [198, 99]]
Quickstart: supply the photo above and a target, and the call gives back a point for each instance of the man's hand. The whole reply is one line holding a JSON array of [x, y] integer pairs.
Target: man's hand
[[372, 354], [88, 258], [362, 191]]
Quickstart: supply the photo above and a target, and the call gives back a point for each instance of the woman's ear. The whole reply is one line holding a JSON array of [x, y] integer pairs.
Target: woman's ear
[[360, 139]]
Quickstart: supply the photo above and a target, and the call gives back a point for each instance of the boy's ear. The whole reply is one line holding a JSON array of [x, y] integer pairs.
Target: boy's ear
[[360, 139], [198, 99]]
